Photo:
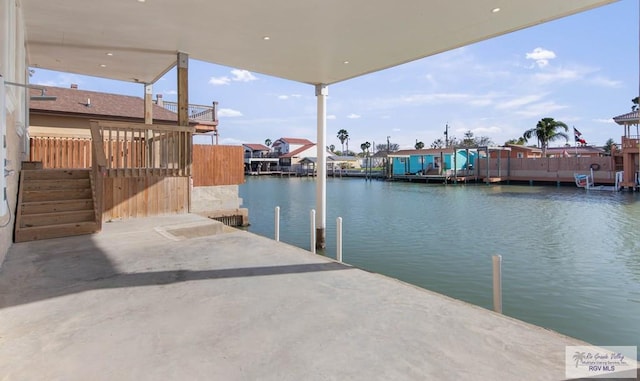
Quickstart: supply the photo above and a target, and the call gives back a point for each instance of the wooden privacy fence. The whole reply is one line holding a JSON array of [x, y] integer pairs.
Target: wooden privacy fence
[[553, 168], [61, 152], [217, 165]]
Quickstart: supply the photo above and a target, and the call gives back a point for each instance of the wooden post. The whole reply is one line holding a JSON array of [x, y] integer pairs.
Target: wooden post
[[339, 239], [312, 231], [183, 89], [277, 223], [497, 283]]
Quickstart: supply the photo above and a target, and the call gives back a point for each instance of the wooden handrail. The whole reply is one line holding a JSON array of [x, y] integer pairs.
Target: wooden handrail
[[134, 149], [98, 168]]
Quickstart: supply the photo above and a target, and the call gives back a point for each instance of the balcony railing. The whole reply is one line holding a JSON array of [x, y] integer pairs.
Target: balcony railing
[[630, 142], [260, 155], [200, 113]]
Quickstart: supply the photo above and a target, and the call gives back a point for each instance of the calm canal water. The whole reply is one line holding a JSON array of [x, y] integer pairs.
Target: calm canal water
[[571, 259]]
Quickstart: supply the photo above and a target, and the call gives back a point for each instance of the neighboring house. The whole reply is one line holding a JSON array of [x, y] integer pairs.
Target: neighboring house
[[292, 158], [285, 146], [629, 148], [258, 157], [74, 108], [344, 162], [517, 151], [432, 161], [333, 163], [580, 151]]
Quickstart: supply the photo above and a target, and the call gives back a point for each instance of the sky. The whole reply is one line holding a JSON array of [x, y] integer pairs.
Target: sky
[[582, 70]]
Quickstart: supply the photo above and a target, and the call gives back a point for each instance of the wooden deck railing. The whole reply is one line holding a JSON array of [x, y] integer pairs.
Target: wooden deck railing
[[143, 149]]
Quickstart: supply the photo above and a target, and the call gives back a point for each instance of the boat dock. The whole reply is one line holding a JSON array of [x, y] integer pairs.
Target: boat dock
[[168, 298]]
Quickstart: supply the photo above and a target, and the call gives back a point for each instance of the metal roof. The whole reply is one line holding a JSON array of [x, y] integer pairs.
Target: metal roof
[[628, 118], [315, 42]]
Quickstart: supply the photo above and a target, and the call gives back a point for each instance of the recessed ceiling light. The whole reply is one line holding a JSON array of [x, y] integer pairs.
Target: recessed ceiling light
[[103, 65], [266, 38], [495, 10], [141, 1], [109, 54], [345, 62]]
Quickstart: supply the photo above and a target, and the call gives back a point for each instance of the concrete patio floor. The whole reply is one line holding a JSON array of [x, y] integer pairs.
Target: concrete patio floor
[[139, 302]]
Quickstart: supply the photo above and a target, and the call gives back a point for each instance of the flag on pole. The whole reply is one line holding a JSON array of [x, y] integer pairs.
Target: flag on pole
[[578, 136]]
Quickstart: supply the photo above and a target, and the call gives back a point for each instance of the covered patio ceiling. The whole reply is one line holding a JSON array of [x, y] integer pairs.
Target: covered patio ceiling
[[309, 41]]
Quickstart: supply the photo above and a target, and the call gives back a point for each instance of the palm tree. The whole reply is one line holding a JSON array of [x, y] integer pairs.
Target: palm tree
[[635, 103], [332, 148], [342, 136], [267, 142], [419, 145], [365, 147], [546, 131]]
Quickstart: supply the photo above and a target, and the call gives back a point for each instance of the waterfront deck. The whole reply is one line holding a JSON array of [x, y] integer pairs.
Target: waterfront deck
[[158, 298]]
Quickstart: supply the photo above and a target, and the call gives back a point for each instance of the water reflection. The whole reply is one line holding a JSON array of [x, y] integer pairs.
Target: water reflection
[[571, 258]]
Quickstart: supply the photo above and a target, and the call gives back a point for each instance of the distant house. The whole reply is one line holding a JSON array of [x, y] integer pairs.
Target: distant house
[[580, 151], [293, 158], [432, 161], [517, 151], [258, 157], [285, 146]]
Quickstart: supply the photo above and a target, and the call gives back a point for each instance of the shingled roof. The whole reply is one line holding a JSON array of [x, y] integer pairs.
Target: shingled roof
[[95, 104]]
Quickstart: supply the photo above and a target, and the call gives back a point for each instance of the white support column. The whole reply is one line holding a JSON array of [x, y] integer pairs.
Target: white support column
[[321, 180], [148, 103]]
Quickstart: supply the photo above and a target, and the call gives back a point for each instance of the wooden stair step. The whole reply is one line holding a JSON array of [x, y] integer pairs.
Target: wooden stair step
[[57, 218], [55, 231], [45, 174], [57, 184], [52, 195], [56, 206]]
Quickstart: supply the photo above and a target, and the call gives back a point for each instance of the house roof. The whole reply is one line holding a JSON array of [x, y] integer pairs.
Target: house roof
[[524, 148], [632, 117], [414, 152], [257, 147], [293, 141], [309, 42], [578, 149], [97, 104], [299, 150]]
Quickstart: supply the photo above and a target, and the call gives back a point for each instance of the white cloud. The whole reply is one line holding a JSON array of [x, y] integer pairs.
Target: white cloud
[[605, 82], [237, 75], [353, 116], [331, 117], [170, 92], [607, 121], [540, 110], [396, 130], [289, 96], [242, 75], [217, 81], [229, 113], [519, 102], [559, 75], [486, 130], [541, 56], [231, 142]]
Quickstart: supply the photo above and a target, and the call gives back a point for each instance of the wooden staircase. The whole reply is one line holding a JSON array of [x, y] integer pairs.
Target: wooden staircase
[[55, 203]]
